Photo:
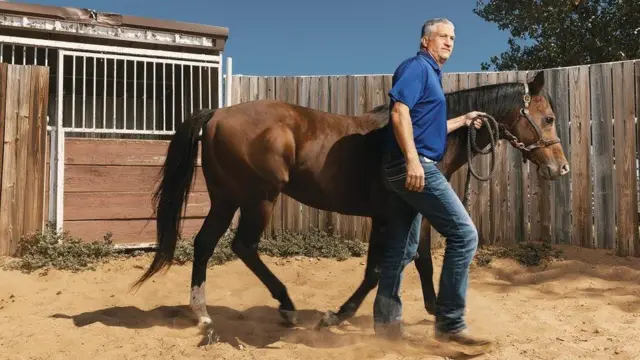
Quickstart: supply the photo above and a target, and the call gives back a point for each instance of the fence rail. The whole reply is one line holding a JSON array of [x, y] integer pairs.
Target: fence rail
[[595, 206]]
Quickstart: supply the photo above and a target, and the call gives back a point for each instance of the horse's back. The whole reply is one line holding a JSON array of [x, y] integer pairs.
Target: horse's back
[[322, 159]]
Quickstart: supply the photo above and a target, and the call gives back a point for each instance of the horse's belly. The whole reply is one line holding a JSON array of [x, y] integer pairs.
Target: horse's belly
[[347, 194]]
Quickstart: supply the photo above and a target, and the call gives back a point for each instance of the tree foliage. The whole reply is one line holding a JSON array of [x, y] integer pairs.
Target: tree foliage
[[562, 33]]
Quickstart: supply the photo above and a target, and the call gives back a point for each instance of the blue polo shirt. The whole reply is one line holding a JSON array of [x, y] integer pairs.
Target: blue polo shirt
[[417, 83]]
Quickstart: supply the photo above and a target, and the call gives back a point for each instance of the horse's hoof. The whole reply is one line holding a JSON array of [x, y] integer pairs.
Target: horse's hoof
[[290, 316], [329, 319], [431, 309]]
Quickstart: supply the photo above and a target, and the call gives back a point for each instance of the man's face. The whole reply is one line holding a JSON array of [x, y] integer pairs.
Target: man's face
[[440, 42]]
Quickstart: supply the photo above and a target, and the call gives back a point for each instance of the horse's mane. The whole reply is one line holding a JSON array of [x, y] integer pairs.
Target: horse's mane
[[497, 100]]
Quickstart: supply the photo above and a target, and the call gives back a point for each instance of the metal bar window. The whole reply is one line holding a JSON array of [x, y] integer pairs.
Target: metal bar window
[[93, 88]]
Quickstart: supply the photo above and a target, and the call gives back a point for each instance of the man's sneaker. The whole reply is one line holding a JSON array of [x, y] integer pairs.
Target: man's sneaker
[[462, 338]]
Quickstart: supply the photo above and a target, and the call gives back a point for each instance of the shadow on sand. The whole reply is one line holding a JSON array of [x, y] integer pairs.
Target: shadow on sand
[[262, 327]]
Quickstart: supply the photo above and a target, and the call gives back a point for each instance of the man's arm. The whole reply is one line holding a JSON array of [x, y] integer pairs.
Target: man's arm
[[455, 123], [464, 120], [407, 90], [403, 131]]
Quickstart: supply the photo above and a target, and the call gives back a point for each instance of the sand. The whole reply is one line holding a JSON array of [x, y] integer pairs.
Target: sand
[[587, 307]]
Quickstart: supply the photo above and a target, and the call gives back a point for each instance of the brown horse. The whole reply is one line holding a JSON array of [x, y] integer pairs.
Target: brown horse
[[253, 151]]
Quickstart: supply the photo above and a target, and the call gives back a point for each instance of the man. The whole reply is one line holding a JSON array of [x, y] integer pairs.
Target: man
[[416, 141]]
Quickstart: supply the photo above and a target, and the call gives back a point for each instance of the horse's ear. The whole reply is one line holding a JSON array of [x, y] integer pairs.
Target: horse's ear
[[535, 86]]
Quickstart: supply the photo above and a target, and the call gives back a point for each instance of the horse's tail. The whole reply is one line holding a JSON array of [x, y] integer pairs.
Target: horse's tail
[[173, 191]]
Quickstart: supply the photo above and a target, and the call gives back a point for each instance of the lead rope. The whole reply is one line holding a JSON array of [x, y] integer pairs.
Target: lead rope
[[492, 125]]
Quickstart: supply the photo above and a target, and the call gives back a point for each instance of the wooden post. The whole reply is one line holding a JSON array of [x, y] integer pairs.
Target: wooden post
[[23, 129]]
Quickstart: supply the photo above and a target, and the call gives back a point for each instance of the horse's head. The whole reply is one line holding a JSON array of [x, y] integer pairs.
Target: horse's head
[[533, 131]]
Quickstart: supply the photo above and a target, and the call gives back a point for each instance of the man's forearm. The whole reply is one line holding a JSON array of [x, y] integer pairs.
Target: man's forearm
[[455, 123], [403, 131]]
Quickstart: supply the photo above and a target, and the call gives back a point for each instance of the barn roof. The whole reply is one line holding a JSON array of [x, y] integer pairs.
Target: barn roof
[[90, 26]]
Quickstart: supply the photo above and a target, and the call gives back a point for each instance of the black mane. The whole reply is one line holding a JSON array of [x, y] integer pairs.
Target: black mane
[[497, 100]]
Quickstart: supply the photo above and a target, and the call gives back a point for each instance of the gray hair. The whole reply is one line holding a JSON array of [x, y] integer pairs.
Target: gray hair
[[429, 26]]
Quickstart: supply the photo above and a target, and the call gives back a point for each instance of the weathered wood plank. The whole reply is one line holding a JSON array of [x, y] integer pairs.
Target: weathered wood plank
[[126, 152], [483, 206], [563, 185], [3, 107], [90, 178], [535, 193], [126, 231], [254, 88], [515, 198], [22, 148], [523, 170], [45, 192], [581, 229], [637, 77], [36, 149], [236, 89], [603, 171], [23, 99], [42, 130], [124, 205], [625, 156], [547, 193], [246, 89], [499, 186], [9, 201]]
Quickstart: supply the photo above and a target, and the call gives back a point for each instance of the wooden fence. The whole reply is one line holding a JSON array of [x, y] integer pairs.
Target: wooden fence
[[108, 186], [595, 206], [23, 135], [108, 182]]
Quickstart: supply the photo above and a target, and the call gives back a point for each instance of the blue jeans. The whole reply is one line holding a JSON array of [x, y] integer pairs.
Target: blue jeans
[[440, 205]]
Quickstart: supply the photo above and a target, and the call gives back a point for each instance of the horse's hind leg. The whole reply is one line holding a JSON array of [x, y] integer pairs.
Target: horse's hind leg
[[424, 266], [423, 263], [214, 226], [369, 282], [253, 220]]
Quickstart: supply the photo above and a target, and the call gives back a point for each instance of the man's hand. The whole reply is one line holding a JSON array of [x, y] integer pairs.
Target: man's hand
[[415, 176], [472, 119]]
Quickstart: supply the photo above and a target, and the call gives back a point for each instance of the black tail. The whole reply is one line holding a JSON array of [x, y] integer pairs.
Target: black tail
[[173, 191]]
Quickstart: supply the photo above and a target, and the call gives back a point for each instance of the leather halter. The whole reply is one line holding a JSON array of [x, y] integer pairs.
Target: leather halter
[[524, 113]]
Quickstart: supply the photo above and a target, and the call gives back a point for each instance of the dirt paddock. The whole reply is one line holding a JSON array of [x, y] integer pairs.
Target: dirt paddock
[[586, 307]]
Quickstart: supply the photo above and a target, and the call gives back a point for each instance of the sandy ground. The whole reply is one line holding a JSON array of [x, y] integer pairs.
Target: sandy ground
[[587, 307]]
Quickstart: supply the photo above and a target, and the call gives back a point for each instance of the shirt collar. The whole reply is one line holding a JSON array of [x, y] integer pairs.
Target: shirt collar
[[431, 61], [427, 56]]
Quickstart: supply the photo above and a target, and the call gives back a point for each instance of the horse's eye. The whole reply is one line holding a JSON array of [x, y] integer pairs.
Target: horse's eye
[[550, 120]]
